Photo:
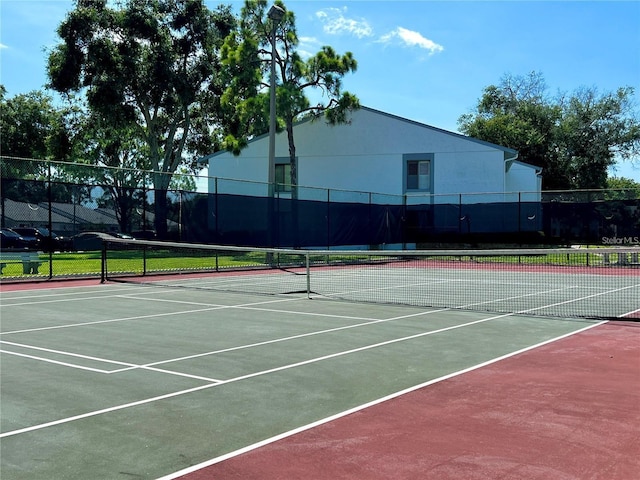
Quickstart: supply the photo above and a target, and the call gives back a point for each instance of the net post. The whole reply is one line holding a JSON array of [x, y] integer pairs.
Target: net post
[[50, 219], [144, 260], [307, 258], [103, 263]]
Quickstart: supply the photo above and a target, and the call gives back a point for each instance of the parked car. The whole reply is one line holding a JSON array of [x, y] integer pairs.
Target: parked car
[[87, 241], [11, 240], [49, 241], [125, 236], [144, 234]]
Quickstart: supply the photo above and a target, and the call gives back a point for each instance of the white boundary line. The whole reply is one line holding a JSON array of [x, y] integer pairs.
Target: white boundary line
[[285, 367], [244, 377], [337, 416], [57, 362], [528, 310], [138, 317], [111, 320], [62, 292], [581, 298], [629, 313], [151, 366], [301, 335], [128, 366], [67, 354]]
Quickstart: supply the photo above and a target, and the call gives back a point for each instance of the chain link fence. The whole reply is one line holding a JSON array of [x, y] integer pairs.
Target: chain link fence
[[62, 210]]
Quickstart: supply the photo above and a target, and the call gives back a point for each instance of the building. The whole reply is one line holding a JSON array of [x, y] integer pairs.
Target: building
[[445, 182], [386, 154]]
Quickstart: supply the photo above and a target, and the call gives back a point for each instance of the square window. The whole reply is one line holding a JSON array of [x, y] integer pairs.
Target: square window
[[418, 175], [283, 177]]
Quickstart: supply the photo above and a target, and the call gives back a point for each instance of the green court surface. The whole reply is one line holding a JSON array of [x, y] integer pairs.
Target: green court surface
[[133, 381]]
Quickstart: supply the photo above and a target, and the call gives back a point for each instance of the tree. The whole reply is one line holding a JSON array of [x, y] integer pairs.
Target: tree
[[594, 129], [153, 64], [622, 183], [248, 56], [32, 127], [120, 164], [622, 187], [34, 130], [574, 138]]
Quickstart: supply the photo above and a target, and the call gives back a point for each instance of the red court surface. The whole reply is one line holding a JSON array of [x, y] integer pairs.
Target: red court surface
[[566, 410], [45, 284]]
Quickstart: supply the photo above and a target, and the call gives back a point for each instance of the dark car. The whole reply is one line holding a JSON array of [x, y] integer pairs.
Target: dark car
[[87, 241], [12, 239], [49, 241], [144, 234], [124, 236]]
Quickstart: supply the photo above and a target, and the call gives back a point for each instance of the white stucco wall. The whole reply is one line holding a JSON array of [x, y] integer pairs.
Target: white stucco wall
[[367, 155], [475, 172], [519, 178], [250, 167]]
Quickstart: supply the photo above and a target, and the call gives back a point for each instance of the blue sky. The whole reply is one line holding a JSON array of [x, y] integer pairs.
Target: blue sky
[[428, 61]]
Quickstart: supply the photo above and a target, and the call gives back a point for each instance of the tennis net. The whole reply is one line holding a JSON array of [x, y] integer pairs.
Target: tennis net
[[568, 282]]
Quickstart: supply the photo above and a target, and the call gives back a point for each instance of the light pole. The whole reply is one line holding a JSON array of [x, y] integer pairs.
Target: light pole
[[276, 14]]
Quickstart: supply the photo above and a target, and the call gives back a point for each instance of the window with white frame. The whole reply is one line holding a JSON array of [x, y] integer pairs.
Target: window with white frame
[[418, 172], [283, 176]]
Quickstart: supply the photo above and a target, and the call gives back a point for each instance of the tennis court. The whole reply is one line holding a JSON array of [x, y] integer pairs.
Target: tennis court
[[133, 380]]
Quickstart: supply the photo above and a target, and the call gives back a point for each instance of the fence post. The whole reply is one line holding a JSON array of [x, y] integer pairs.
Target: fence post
[[520, 215], [144, 260], [328, 218], [103, 263], [50, 222], [460, 219], [308, 263], [403, 223], [180, 200], [144, 208], [370, 229], [216, 212]]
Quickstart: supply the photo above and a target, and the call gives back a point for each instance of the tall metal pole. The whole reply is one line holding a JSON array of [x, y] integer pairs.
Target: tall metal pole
[[272, 114], [275, 14]]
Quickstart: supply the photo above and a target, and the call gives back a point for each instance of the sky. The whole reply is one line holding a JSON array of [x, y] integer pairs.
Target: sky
[[427, 61]]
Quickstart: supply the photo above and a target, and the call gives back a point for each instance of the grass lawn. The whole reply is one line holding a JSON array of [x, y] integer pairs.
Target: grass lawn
[[163, 260]]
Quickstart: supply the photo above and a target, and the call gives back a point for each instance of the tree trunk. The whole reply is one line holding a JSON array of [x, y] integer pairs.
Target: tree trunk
[[160, 206], [160, 212], [295, 224]]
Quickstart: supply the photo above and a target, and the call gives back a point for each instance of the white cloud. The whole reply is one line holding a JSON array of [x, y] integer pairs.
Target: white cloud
[[411, 39], [307, 46], [2, 45], [311, 40], [336, 23]]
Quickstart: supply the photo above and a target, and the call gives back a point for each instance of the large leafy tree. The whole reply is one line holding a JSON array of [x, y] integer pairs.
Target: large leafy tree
[[625, 188], [153, 64], [33, 127], [119, 162], [596, 128], [34, 131], [248, 56], [574, 138]]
